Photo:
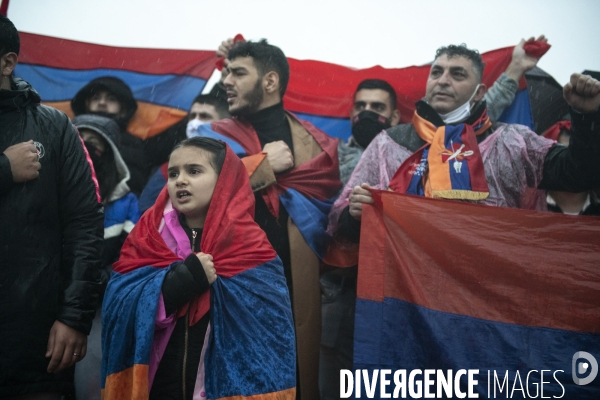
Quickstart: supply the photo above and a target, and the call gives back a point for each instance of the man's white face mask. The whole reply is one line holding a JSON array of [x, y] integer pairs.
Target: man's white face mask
[[192, 127], [461, 113]]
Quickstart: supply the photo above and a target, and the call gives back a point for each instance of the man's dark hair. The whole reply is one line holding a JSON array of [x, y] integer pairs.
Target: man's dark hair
[[379, 84], [215, 148], [219, 104], [463, 51], [9, 37], [266, 58]]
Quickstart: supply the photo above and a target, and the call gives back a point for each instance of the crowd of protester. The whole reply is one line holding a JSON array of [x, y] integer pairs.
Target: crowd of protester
[[223, 236]]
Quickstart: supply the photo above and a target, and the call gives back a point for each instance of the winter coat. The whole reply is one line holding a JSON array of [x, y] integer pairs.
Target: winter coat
[[121, 208], [50, 242]]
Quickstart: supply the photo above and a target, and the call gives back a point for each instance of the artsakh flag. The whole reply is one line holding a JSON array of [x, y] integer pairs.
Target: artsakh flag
[[164, 82], [446, 285]]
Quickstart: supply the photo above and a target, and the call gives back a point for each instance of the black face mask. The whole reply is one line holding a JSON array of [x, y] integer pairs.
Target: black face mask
[[105, 168], [366, 125], [95, 154]]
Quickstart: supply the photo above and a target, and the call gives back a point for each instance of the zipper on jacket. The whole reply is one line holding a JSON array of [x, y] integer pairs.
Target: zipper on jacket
[[194, 234], [187, 327], [185, 351]]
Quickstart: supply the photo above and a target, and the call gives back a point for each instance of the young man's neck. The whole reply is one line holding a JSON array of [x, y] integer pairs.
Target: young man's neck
[[5, 83], [268, 102]]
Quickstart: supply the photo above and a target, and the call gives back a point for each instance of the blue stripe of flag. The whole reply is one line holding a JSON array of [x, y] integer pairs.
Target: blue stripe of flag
[[253, 346], [415, 185], [519, 112], [128, 314], [55, 84], [310, 216], [459, 180], [396, 334], [335, 127]]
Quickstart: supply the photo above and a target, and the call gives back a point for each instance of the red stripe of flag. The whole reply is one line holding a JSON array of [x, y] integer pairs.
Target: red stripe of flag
[[499, 264], [4, 7], [326, 89], [73, 55]]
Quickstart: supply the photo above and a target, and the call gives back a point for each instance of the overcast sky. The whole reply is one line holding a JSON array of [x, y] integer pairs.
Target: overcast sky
[[391, 33]]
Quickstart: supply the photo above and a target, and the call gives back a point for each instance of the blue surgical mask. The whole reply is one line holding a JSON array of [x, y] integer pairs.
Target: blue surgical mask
[[192, 128]]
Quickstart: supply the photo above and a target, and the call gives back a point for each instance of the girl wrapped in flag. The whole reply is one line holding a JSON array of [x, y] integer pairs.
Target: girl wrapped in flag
[[197, 306]]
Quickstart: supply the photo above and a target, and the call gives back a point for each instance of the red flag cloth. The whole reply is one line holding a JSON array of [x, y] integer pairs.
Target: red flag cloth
[[325, 89], [4, 7], [537, 48], [220, 63], [515, 266], [317, 178], [230, 234], [554, 131], [163, 81], [450, 285]]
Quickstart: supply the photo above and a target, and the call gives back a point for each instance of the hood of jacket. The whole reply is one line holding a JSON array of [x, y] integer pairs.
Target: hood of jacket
[[109, 130], [21, 95]]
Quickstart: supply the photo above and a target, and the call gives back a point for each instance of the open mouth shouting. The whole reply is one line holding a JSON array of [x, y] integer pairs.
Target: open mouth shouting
[[183, 195]]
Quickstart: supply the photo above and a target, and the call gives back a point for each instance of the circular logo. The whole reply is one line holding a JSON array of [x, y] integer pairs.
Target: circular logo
[[40, 149], [582, 367]]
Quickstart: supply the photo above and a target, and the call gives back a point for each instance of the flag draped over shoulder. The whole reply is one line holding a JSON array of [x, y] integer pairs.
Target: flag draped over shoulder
[[307, 192], [164, 82], [446, 285], [251, 348]]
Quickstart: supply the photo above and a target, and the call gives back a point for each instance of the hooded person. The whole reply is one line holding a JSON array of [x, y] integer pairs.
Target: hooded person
[[110, 97], [198, 301], [101, 137], [49, 242], [113, 86]]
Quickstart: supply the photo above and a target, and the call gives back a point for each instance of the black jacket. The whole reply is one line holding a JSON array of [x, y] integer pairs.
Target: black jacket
[[50, 240], [176, 374]]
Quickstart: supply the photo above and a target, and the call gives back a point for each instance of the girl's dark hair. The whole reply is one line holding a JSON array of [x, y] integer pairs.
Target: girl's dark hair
[[215, 148]]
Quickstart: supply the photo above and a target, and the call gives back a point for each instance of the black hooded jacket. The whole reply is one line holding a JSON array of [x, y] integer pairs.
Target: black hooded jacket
[[50, 241], [131, 147]]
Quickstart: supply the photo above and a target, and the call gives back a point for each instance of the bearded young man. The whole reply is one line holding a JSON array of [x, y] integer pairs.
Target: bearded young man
[[452, 150], [292, 183]]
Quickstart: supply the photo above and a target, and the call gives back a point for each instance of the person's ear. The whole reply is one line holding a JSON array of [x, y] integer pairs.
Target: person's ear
[[395, 120], [481, 91], [271, 82], [10, 62]]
